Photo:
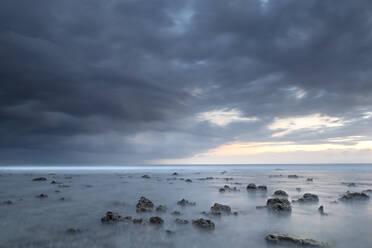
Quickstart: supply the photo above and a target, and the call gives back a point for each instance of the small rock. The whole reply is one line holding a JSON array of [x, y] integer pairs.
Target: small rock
[[73, 230], [181, 221], [279, 205], [309, 179], [42, 196], [221, 208], [170, 232], [146, 176], [293, 176], [251, 186], [175, 174], [39, 179], [285, 240], [309, 198], [62, 199], [260, 207], [188, 180], [144, 205], [203, 224], [185, 202], [262, 187], [156, 220], [137, 221], [321, 210], [53, 182], [111, 217], [161, 208], [221, 190], [280, 193], [176, 213], [8, 202], [298, 189]]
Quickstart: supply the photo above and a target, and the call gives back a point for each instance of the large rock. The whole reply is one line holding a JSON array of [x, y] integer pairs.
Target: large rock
[[279, 205], [292, 241], [144, 205], [203, 224], [309, 198], [349, 196], [220, 208]]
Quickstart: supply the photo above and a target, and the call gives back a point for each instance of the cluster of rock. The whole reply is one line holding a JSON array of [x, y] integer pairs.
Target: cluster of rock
[[203, 224], [184, 203], [144, 205], [253, 186], [227, 188]]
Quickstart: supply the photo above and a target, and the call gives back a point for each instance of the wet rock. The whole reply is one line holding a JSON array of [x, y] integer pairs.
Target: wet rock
[[262, 187], [146, 176], [279, 205], [53, 182], [221, 208], [42, 196], [280, 193], [293, 176], [137, 221], [161, 208], [185, 202], [39, 179], [321, 210], [308, 198], [203, 224], [181, 221], [188, 180], [144, 205], [176, 213], [288, 240], [349, 196], [228, 188], [175, 174], [111, 217], [251, 186], [222, 190], [309, 179], [156, 220], [73, 230]]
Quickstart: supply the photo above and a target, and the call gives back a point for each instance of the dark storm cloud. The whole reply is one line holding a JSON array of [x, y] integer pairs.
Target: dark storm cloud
[[122, 81]]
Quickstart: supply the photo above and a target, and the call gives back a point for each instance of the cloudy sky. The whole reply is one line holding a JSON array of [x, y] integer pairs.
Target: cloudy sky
[[177, 81]]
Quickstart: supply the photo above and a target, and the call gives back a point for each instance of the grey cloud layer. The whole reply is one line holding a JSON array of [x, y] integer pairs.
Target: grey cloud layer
[[121, 81]]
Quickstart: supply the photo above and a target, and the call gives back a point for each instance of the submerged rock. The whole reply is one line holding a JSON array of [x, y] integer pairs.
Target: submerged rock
[[280, 193], [156, 220], [221, 208], [262, 187], [321, 210], [228, 188], [181, 221], [144, 205], [203, 224], [288, 240], [8, 202], [293, 176], [279, 205], [349, 196], [185, 202], [146, 176], [137, 220], [73, 230], [188, 180], [161, 208], [39, 179], [111, 217], [310, 179], [176, 213], [309, 198], [42, 196]]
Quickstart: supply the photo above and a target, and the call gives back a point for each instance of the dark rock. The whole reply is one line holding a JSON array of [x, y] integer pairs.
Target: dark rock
[[175, 174], [350, 184], [181, 221], [228, 188], [39, 179], [261, 207], [185, 202], [170, 232], [53, 182], [203, 224], [156, 220], [309, 198], [279, 205], [349, 196], [57, 191], [262, 187], [221, 190], [111, 217], [176, 213], [280, 193], [161, 208], [8, 202], [298, 189], [73, 230], [146, 176], [309, 179], [293, 176], [42, 196], [287, 240], [251, 186], [144, 205], [221, 208], [137, 221], [188, 180], [61, 185], [321, 210], [62, 199]]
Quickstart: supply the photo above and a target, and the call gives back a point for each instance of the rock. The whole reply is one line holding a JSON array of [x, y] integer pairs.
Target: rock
[[111, 217], [188, 180], [350, 184], [8, 202], [57, 191], [293, 176], [42, 196], [287, 240], [185, 202], [348, 196], [251, 186], [261, 207], [39, 179], [146, 176], [221, 208], [228, 188], [262, 187], [176, 213], [181, 221], [175, 174], [309, 179], [203, 224], [53, 182], [221, 190], [61, 185], [367, 191], [73, 230], [321, 210], [137, 221], [161, 208], [309, 198], [298, 189], [170, 232], [279, 205], [280, 193], [144, 205], [156, 220], [62, 199]]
